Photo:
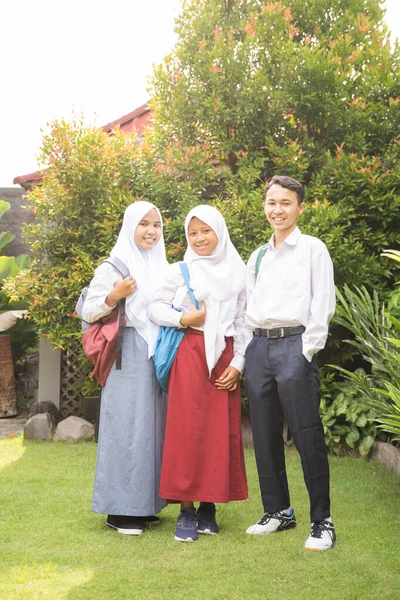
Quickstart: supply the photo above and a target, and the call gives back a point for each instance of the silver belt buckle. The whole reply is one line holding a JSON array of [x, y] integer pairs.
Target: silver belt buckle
[[281, 332]]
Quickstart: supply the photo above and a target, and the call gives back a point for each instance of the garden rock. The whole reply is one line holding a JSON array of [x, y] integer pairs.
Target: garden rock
[[74, 429], [386, 455], [39, 427], [46, 407]]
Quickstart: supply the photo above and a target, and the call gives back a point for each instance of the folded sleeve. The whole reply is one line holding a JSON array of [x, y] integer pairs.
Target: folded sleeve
[[322, 304], [103, 282], [239, 344], [160, 309]]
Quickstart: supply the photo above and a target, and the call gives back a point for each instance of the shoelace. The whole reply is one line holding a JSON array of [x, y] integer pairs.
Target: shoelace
[[268, 516], [319, 527], [187, 518]]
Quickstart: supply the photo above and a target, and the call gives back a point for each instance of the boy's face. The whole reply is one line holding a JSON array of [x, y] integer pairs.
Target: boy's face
[[282, 209]]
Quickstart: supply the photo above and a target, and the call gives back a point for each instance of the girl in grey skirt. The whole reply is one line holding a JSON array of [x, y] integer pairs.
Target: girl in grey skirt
[[133, 405]]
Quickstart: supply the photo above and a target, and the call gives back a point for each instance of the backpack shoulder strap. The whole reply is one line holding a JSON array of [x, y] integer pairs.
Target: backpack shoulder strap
[[124, 271], [186, 277], [119, 265], [260, 256]]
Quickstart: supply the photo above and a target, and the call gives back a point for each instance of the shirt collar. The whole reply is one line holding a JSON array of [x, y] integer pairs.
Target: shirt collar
[[291, 239]]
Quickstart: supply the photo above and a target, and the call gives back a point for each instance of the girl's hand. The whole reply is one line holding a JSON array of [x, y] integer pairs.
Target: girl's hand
[[228, 380], [194, 318], [123, 288]]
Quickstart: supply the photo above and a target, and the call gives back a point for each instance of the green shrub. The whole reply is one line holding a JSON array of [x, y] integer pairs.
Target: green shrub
[[377, 339], [348, 420], [23, 334]]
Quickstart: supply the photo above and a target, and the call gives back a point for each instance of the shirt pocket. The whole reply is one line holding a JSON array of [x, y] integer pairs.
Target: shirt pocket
[[293, 281]]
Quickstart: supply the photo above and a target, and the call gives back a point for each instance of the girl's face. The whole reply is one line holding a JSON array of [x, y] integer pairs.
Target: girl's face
[[202, 238], [148, 232]]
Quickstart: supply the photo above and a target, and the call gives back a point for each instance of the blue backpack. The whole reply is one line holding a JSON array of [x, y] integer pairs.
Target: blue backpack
[[169, 339]]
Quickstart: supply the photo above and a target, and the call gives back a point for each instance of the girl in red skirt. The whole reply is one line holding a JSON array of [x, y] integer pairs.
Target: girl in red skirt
[[203, 451]]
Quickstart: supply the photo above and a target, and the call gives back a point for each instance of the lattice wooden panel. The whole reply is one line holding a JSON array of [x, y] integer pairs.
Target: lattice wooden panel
[[71, 401]]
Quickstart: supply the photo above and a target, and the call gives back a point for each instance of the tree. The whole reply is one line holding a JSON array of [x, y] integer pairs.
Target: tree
[[307, 88]]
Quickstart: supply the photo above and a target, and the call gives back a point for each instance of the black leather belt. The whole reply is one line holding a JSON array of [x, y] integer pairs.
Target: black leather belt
[[279, 332]]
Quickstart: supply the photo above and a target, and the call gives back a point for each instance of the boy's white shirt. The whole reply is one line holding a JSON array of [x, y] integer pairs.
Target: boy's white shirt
[[231, 315], [295, 286]]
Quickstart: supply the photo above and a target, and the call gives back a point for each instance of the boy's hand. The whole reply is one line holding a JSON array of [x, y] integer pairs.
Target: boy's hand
[[194, 318], [228, 380], [123, 288]]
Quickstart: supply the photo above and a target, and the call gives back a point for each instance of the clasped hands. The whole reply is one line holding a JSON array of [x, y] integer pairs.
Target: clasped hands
[[196, 318]]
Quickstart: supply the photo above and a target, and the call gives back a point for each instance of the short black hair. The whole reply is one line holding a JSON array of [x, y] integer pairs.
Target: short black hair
[[288, 183]]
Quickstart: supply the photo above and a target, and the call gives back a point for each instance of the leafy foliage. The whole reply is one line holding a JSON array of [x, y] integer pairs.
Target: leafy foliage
[[23, 333], [308, 89], [347, 420], [377, 338]]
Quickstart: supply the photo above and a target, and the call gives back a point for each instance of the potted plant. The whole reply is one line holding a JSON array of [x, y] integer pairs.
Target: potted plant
[[9, 314]]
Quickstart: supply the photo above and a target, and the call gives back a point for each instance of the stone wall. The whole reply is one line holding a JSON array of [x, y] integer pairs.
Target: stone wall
[[14, 218]]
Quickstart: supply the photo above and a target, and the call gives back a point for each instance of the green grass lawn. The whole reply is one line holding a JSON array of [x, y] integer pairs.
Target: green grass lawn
[[53, 546]]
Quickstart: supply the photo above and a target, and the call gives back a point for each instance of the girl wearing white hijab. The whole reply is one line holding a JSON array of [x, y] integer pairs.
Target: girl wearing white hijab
[[203, 452], [132, 403]]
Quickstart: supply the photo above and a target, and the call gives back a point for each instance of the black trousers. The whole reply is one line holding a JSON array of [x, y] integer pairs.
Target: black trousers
[[281, 383]]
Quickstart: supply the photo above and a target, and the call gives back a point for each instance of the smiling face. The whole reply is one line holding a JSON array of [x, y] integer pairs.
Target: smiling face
[[282, 209], [202, 238], [148, 232]]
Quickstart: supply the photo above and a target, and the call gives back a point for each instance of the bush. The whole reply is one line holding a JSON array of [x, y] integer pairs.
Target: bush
[[377, 338], [348, 420], [23, 334]]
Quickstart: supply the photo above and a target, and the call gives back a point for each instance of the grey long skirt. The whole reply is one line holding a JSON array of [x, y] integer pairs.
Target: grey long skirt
[[132, 422]]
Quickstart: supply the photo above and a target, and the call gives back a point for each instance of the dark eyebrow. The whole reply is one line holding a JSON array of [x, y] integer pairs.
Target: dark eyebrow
[[282, 200]]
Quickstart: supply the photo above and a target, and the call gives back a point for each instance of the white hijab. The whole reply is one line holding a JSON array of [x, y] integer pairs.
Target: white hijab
[[146, 266], [215, 278]]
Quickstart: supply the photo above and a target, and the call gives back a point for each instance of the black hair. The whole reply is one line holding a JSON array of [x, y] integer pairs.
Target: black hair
[[288, 183]]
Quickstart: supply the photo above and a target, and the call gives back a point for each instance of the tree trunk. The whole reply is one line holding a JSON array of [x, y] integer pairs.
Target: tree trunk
[[8, 400]]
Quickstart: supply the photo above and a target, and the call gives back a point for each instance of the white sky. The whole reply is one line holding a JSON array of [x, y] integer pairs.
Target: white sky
[[91, 56]]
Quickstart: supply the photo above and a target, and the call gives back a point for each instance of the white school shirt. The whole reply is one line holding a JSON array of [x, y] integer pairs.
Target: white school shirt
[[173, 291], [103, 282], [295, 286]]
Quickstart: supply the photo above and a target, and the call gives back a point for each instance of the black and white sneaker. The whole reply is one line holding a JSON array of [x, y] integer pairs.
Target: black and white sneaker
[[125, 525], [322, 536], [272, 522]]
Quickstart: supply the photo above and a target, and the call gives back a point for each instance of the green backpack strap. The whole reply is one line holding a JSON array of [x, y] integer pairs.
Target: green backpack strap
[[260, 256]]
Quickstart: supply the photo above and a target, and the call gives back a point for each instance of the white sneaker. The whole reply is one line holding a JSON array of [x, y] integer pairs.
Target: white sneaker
[[272, 522], [322, 536]]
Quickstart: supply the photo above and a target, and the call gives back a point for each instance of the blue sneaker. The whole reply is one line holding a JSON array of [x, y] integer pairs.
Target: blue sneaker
[[206, 522], [186, 526]]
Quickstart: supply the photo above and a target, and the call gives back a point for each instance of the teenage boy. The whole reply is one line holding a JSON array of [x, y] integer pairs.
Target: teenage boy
[[290, 301]]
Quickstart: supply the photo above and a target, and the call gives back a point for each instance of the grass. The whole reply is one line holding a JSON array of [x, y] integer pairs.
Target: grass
[[53, 547]]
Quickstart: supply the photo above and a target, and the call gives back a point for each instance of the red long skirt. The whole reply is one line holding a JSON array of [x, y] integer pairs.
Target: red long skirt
[[203, 450]]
